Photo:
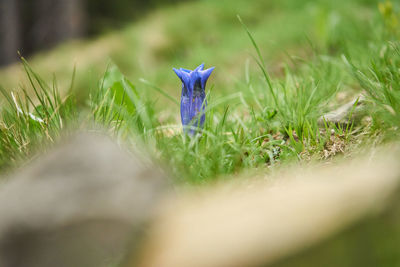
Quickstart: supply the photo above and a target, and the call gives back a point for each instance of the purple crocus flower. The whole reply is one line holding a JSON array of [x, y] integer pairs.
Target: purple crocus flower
[[193, 98]]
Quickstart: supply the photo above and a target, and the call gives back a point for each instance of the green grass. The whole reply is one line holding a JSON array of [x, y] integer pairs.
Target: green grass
[[264, 117]]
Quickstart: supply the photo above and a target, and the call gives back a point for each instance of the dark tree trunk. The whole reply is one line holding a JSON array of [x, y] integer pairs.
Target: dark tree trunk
[[31, 25], [9, 31], [55, 21]]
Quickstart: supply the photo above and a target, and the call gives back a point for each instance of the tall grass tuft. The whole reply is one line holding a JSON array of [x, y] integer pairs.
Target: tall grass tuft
[[33, 118]]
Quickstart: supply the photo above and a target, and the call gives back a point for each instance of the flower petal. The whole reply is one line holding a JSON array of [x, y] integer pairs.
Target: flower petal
[[197, 111], [200, 67], [204, 75], [185, 110], [178, 73], [185, 70], [194, 78], [183, 75], [193, 98]]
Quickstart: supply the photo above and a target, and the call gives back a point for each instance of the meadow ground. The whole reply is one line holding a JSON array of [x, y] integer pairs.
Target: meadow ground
[[280, 67]]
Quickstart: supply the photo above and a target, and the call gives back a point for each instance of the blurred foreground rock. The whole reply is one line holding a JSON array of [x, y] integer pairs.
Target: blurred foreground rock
[[339, 215], [81, 205], [87, 203]]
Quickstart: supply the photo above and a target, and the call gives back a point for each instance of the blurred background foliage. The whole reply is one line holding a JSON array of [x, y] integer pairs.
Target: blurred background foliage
[[157, 35], [107, 15], [31, 26]]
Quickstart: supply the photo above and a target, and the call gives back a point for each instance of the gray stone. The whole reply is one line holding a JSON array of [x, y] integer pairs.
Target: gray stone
[[82, 204], [345, 114]]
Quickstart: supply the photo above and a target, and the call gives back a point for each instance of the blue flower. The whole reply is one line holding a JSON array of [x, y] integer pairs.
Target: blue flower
[[193, 98]]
